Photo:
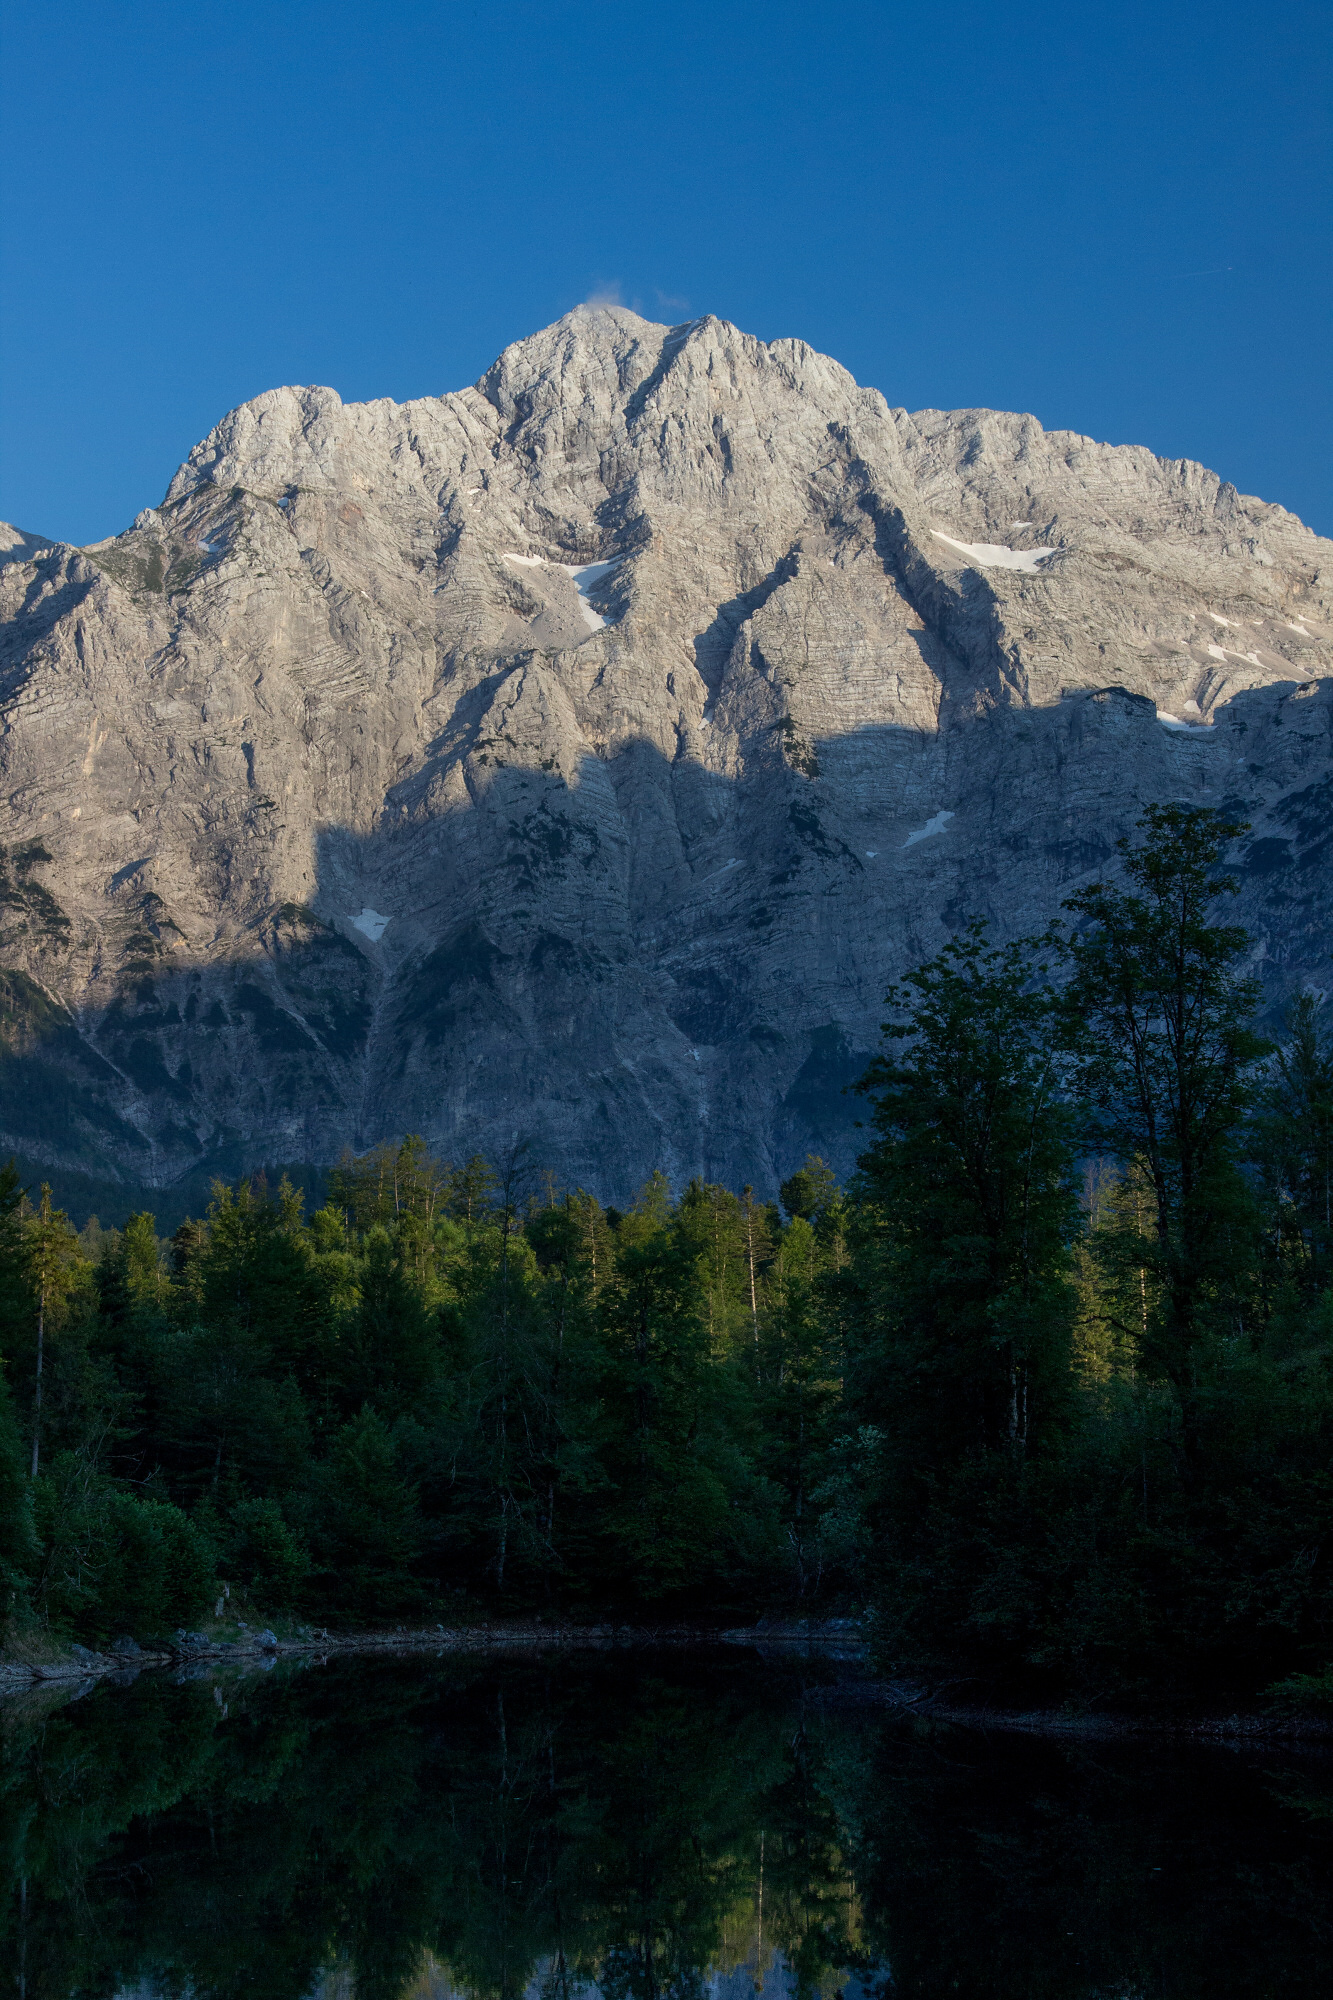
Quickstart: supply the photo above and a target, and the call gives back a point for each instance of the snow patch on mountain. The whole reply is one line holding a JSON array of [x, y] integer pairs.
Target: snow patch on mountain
[[586, 577], [997, 555], [935, 825], [1184, 728]]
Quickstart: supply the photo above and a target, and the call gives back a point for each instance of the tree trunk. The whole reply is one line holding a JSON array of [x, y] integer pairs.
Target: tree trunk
[[37, 1389], [749, 1251]]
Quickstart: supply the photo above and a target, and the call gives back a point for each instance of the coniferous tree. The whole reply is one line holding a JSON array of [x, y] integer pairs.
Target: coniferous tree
[[958, 1391], [970, 1199], [799, 1396], [1291, 1144], [667, 1391], [1158, 1019], [51, 1253], [958, 1292], [19, 1551]]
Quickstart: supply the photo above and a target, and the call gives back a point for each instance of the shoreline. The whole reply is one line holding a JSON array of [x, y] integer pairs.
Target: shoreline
[[1237, 1729], [195, 1656], [198, 1650]]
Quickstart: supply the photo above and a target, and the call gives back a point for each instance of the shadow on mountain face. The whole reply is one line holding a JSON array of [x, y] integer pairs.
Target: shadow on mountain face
[[645, 965]]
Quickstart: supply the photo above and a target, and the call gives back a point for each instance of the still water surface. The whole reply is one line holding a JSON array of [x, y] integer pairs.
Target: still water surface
[[640, 1828]]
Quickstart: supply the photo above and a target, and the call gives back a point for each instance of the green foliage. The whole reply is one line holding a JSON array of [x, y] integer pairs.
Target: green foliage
[[1304, 1695], [267, 1555], [1095, 1435], [18, 1541], [968, 1201], [669, 1514], [437, 1386], [391, 1182], [1159, 1023], [364, 1523], [1048, 1390], [1291, 1146], [113, 1561], [811, 1192]]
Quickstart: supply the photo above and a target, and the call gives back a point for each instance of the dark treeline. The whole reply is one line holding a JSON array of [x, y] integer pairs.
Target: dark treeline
[[1090, 1332], [1048, 1388], [632, 1827], [444, 1389]]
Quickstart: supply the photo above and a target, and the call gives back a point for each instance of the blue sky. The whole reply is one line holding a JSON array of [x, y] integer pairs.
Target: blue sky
[[1116, 217]]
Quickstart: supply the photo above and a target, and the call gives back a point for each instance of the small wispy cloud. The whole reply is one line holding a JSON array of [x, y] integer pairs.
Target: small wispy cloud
[[671, 302], [606, 293]]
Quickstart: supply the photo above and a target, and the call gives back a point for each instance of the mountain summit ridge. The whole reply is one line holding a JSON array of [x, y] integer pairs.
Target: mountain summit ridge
[[578, 756]]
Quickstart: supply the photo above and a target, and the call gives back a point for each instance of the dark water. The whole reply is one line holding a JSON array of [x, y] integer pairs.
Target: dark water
[[639, 1826]]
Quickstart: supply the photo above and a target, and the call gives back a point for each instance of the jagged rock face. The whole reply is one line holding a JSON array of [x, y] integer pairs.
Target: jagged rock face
[[578, 757]]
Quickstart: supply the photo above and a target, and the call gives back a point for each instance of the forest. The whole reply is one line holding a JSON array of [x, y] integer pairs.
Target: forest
[[1044, 1393]]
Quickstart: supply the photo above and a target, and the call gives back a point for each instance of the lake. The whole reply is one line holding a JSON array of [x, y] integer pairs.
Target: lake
[[636, 1825]]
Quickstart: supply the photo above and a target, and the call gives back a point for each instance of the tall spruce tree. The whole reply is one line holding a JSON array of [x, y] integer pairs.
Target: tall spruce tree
[[969, 1201], [1157, 1017], [958, 1302]]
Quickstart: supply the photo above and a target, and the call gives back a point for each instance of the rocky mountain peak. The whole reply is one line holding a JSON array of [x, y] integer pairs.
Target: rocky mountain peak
[[581, 754]]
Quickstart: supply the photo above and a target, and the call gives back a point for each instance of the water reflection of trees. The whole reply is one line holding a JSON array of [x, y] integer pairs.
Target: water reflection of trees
[[481, 1832], [654, 1832]]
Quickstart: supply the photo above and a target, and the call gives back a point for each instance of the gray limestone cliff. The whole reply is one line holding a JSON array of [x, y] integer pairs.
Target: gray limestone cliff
[[579, 756]]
